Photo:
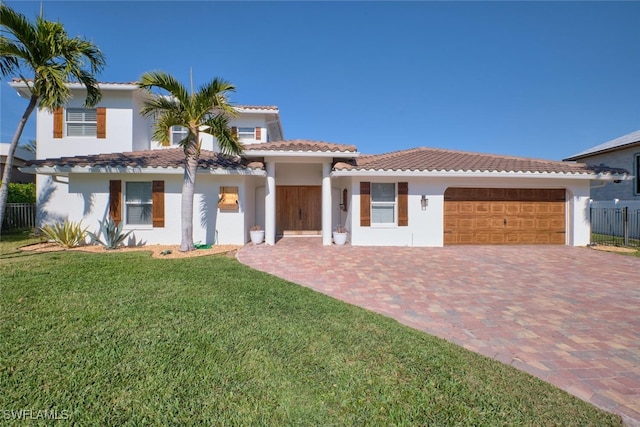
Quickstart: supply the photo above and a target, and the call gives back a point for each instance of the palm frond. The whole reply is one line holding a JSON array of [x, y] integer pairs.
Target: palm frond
[[45, 50], [162, 80], [228, 142], [163, 124], [157, 104]]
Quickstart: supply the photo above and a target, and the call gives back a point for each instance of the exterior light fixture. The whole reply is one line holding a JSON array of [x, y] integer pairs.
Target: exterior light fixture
[[424, 202]]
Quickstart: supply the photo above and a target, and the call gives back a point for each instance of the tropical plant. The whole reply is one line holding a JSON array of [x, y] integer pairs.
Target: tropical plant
[[113, 234], [44, 49], [21, 193], [68, 234], [30, 146], [205, 110]]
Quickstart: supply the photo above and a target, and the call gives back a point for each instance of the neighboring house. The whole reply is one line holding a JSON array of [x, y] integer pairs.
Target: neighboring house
[[99, 162], [623, 153], [20, 158]]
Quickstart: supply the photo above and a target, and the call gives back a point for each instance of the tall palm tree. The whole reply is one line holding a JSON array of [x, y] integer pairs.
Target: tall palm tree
[[205, 110], [45, 50]]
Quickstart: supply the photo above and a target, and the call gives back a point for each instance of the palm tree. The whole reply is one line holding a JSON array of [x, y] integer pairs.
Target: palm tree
[[206, 110], [45, 50]]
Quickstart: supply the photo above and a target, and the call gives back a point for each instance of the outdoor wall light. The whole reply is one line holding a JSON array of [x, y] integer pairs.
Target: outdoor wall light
[[424, 202]]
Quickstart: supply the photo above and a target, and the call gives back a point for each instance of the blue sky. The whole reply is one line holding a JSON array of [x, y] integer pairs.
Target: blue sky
[[533, 79]]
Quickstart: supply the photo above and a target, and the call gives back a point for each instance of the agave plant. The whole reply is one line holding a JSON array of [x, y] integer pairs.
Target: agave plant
[[112, 234], [68, 234]]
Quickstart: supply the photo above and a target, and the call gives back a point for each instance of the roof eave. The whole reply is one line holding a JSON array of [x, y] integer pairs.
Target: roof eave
[[66, 170], [312, 154], [476, 174]]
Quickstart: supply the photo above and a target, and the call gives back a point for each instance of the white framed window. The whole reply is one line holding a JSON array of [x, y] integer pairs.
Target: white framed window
[[246, 133], [138, 203], [178, 133], [383, 203], [81, 122]]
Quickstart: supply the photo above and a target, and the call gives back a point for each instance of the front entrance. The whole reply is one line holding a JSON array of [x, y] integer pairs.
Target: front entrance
[[298, 210]]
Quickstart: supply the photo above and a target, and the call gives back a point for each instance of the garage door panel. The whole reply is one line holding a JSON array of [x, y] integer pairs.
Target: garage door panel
[[481, 208], [504, 216]]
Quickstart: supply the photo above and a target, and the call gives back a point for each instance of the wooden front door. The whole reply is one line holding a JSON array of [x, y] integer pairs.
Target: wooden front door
[[298, 210], [504, 216]]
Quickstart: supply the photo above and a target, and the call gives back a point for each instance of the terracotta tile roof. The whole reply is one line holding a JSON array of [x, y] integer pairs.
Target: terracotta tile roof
[[162, 158], [301, 145], [432, 159], [257, 107], [30, 80]]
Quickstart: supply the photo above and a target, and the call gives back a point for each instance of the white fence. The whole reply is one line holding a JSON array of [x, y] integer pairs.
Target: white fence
[[19, 216]]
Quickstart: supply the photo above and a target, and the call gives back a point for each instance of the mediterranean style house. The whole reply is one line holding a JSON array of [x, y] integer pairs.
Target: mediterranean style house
[[100, 162]]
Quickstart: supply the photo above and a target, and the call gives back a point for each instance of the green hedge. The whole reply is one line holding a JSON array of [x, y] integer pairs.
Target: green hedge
[[21, 193]]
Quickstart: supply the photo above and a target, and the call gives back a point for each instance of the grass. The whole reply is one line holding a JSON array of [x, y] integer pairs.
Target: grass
[[608, 240], [124, 339]]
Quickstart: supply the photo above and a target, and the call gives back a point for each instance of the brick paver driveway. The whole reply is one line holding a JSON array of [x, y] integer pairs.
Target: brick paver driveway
[[570, 316]]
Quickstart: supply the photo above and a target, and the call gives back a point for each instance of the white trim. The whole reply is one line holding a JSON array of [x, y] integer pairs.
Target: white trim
[[257, 110], [326, 204], [270, 205], [64, 170], [283, 155], [478, 174]]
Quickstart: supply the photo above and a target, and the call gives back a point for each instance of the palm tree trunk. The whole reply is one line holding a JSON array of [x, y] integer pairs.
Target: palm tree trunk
[[188, 189], [6, 176]]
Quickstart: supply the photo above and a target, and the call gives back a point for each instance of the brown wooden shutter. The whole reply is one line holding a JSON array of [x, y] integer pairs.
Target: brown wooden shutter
[[158, 203], [101, 131], [58, 119], [403, 204], [258, 134], [365, 204], [115, 200]]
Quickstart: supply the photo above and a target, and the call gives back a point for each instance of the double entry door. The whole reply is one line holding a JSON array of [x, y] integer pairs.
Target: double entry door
[[298, 209]]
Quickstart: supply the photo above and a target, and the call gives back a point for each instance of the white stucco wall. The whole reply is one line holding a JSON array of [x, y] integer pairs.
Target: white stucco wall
[[86, 199], [119, 131], [299, 174], [426, 227]]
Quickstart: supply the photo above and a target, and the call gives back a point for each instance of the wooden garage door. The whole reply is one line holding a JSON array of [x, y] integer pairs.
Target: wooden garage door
[[481, 216]]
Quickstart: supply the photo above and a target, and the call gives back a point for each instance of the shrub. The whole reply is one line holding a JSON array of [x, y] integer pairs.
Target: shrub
[[112, 234], [21, 193], [68, 234]]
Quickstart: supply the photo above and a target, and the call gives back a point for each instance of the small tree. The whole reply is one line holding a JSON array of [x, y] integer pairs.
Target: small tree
[[205, 110], [45, 50]]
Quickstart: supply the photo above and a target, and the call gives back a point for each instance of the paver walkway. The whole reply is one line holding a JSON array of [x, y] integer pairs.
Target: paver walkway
[[570, 316]]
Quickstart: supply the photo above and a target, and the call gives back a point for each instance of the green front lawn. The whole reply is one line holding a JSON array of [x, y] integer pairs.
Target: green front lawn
[[121, 338]]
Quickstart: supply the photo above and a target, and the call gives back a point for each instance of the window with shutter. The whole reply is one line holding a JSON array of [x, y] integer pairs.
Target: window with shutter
[[115, 200], [82, 122], [383, 203], [365, 204], [403, 204], [58, 122], [158, 203]]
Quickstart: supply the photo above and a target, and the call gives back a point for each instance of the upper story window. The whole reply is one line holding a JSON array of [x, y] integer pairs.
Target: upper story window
[[245, 133], [383, 203], [81, 122], [178, 133]]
